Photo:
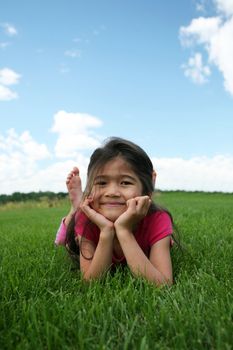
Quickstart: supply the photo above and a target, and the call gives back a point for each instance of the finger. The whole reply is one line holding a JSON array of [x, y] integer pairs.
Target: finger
[[143, 204], [89, 212], [85, 207], [146, 204], [131, 204], [142, 200], [141, 197], [87, 201]]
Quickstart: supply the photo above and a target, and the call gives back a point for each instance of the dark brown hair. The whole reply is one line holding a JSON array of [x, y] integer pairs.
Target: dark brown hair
[[137, 159], [134, 155]]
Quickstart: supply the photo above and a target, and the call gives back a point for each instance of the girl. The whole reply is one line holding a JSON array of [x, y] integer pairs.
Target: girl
[[115, 220]]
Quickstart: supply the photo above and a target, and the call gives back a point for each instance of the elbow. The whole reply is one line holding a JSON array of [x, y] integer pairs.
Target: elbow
[[165, 279], [165, 282], [88, 277]]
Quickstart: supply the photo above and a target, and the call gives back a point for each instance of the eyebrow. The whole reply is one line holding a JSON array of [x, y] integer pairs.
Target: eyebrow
[[121, 176]]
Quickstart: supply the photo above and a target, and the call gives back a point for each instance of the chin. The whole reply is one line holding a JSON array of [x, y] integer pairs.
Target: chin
[[112, 216]]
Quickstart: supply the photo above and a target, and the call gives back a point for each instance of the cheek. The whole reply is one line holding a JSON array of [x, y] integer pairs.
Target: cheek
[[95, 193], [94, 205], [136, 192], [95, 199]]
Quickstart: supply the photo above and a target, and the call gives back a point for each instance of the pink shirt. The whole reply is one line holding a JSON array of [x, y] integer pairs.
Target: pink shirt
[[150, 230]]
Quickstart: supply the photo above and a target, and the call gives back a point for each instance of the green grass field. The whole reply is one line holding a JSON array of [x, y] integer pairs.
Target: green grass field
[[46, 305]]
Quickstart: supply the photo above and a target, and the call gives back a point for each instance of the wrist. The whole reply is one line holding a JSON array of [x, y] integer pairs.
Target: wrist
[[107, 233], [122, 232]]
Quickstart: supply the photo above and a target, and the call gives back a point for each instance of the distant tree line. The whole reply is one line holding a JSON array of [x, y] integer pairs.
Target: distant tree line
[[22, 197], [51, 196]]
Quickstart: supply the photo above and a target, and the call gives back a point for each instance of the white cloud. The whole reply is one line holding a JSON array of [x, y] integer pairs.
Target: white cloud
[[214, 35], [9, 29], [31, 148], [54, 176], [74, 133], [50, 178], [200, 31], [7, 94], [221, 53], [224, 6], [196, 70], [19, 156], [195, 174], [22, 173], [23, 144], [8, 77], [20, 170]]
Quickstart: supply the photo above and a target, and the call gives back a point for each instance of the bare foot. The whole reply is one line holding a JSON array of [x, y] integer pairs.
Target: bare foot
[[74, 187]]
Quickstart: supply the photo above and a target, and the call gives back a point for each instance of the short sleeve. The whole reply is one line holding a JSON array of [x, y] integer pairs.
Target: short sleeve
[[85, 228], [160, 226]]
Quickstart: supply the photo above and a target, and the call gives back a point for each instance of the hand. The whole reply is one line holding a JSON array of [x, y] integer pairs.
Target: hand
[[137, 209], [104, 224]]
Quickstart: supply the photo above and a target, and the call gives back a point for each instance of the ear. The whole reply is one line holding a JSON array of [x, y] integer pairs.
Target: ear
[[154, 177], [153, 180]]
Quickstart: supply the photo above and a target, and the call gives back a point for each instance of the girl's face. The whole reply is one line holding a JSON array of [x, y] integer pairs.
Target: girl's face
[[114, 184]]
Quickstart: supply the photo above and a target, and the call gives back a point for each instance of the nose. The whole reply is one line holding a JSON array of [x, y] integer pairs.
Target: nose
[[112, 190]]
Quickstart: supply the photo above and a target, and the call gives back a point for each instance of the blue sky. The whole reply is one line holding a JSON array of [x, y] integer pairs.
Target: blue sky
[[156, 72]]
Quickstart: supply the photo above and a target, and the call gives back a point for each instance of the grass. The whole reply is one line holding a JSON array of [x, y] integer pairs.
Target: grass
[[44, 304]]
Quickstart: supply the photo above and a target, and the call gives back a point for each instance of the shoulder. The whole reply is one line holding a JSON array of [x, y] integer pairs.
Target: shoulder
[[159, 217], [159, 225]]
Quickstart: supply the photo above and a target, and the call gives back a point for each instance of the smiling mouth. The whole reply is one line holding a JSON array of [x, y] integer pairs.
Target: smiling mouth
[[112, 204]]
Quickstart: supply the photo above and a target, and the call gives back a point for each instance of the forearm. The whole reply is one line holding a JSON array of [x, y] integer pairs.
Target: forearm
[[137, 261], [101, 260]]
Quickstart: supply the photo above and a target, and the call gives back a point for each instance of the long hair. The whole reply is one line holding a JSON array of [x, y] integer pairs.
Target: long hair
[[136, 158], [134, 155]]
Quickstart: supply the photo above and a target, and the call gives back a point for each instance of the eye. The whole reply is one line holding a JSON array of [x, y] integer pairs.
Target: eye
[[126, 183], [100, 183]]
